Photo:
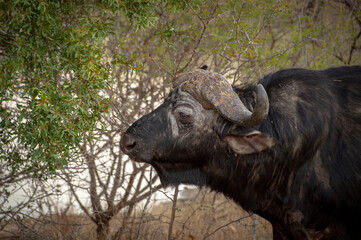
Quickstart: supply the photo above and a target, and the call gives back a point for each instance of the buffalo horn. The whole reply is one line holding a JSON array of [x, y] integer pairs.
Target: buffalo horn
[[213, 91]]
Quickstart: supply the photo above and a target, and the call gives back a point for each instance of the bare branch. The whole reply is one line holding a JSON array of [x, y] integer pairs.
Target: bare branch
[[225, 225], [174, 206]]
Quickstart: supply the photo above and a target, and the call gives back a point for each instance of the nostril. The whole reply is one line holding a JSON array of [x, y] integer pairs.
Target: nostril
[[129, 143]]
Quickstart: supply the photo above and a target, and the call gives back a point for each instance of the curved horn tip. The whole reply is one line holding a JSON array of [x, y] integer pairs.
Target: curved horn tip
[[261, 109], [262, 98]]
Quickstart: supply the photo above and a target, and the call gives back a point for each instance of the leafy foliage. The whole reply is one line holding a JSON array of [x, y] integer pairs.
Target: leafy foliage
[[55, 68]]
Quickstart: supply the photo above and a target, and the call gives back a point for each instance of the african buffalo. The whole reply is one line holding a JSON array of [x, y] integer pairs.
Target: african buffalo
[[287, 148]]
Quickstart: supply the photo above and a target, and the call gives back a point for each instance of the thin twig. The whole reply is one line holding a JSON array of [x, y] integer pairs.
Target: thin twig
[[146, 204], [174, 206], [225, 225], [353, 47], [205, 25]]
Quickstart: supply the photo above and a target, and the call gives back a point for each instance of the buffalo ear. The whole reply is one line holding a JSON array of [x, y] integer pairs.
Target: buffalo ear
[[253, 142]]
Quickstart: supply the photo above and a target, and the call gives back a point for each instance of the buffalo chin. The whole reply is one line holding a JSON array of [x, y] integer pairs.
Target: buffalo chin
[[193, 176]]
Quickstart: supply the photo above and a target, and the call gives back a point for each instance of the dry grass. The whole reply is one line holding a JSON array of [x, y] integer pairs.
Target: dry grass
[[57, 226], [207, 216]]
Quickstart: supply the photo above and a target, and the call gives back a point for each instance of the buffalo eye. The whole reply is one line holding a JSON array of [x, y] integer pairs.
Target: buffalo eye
[[183, 117]]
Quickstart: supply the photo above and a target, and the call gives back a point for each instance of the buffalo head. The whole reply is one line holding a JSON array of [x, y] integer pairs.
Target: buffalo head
[[202, 120]]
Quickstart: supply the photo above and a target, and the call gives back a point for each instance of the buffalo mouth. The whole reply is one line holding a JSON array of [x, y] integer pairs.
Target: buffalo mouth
[[171, 171], [138, 159], [139, 156]]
